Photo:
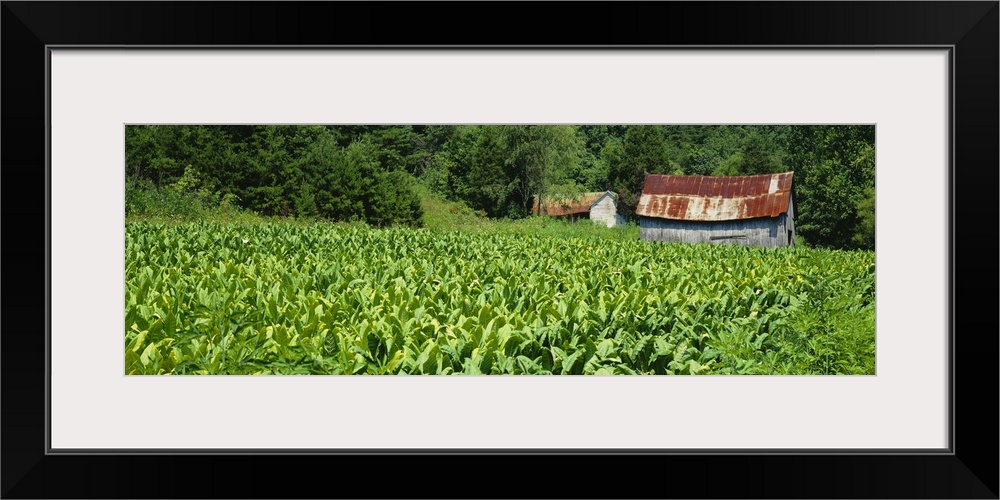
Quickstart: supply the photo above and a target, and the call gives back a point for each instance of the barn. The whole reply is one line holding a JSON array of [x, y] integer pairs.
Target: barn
[[599, 206], [752, 210]]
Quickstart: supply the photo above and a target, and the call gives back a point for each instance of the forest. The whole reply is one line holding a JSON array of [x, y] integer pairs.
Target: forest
[[372, 173]]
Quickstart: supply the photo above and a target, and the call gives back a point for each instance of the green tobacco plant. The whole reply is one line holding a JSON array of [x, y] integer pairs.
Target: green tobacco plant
[[321, 298]]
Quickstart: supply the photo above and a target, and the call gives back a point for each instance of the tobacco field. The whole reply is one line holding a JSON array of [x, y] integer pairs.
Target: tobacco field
[[273, 298]]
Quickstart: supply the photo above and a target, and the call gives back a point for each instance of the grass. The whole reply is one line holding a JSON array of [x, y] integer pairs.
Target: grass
[[440, 215], [443, 215]]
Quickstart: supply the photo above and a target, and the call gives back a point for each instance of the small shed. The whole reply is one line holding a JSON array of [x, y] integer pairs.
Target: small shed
[[752, 210], [598, 206]]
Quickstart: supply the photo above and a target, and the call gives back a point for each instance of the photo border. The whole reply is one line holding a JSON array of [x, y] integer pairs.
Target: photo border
[[32, 29]]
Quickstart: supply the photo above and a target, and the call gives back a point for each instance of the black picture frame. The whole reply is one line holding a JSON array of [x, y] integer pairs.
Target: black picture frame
[[968, 470]]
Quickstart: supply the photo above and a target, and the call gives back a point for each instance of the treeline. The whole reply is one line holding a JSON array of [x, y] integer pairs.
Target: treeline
[[364, 173], [339, 173]]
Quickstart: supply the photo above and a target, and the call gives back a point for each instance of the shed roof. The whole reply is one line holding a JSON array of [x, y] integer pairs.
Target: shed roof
[[569, 205], [715, 198]]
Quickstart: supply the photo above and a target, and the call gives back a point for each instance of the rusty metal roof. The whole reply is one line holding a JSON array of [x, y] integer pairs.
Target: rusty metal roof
[[579, 204], [715, 198]]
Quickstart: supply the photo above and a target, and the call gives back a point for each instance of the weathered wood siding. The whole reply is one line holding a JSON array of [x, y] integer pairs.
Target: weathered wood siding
[[604, 211], [791, 221], [762, 232]]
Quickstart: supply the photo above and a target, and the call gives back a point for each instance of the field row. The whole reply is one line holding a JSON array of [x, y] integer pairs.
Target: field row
[[206, 298]]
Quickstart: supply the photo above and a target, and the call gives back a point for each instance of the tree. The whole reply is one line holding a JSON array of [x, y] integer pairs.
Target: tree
[[354, 186], [864, 232], [684, 142], [280, 169], [430, 156], [501, 169], [834, 171], [735, 150], [590, 172], [717, 153], [540, 159], [478, 176], [391, 200], [629, 162], [340, 176], [760, 153]]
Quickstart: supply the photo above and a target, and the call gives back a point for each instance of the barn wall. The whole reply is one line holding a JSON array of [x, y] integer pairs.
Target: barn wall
[[761, 232], [605, 211], [791, 221]]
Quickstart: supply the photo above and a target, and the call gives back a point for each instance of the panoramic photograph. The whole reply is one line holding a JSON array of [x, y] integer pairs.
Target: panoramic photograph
[[499, 249]]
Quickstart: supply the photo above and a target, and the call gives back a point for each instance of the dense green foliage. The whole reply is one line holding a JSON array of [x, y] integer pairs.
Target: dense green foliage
[[345, 174], [350, 299], [835, 193], [365, 173]]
